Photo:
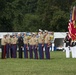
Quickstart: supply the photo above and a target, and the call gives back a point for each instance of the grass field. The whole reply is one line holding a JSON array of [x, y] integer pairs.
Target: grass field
[[57, 65]]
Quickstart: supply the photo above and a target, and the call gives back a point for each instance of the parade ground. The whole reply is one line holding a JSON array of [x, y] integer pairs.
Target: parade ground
[[57, 65]]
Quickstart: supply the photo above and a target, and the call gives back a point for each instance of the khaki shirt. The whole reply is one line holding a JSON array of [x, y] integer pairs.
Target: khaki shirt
[[35, 41], [14, 40], [41, 39], [8, 40], [47, 38], [31, 41], [25, 40], [3, 41]]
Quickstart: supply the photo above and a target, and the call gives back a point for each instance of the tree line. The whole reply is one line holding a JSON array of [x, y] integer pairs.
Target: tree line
[[31, 15]]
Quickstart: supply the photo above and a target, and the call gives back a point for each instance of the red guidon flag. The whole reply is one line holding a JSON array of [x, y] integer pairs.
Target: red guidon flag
[[72, 31], [72, 24]]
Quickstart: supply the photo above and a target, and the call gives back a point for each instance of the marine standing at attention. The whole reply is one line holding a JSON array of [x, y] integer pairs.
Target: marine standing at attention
[[3, 46], [25, 40], [20, 44], [47, 44], [41, 44]]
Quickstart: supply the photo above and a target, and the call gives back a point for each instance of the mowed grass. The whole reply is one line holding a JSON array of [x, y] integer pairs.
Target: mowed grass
[[57, 65]]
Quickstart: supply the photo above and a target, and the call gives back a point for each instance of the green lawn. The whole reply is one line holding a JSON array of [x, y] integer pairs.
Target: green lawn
[[57, 65]]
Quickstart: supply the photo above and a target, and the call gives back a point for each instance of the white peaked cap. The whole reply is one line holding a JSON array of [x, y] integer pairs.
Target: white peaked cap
[[19, 33], [45, 31], [34, 33], [40, 30], [30, 34], [67, 32], [24, 33]]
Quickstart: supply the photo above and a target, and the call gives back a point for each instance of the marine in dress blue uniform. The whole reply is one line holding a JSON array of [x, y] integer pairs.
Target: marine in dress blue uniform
[[73, 48], [67, 40]]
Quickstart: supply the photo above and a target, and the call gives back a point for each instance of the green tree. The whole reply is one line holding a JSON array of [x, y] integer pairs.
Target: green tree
[[59, 21], [31, 22], [30, 15]]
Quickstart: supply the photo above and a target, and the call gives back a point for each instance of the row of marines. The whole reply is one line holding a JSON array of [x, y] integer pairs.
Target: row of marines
[[10, 44]]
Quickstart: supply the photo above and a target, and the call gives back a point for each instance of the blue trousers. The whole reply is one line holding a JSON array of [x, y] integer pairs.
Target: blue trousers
[[35, 52], [31, 51], [7, 50], [47, 52], [3, 51], [14, 51], [11, 50], [25, 51], [41, 52]]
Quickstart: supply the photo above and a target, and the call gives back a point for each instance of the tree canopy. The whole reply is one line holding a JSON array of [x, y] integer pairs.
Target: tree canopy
[[30, 15]]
